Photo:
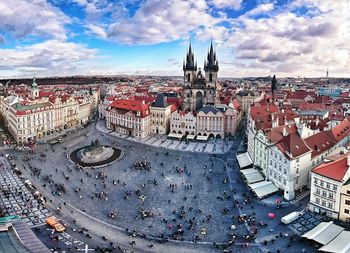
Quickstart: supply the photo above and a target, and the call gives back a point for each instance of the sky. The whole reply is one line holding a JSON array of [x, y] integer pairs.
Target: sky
[[151, 37]]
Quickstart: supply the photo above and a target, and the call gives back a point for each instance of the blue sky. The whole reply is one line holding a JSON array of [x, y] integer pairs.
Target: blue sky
[[252, 37]]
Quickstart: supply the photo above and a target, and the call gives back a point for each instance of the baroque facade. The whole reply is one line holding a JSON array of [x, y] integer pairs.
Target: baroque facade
[[33, 116]]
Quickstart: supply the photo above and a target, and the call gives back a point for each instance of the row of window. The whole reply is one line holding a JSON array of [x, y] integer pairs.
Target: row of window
[[324, 203], [325, 184], [330, 195]]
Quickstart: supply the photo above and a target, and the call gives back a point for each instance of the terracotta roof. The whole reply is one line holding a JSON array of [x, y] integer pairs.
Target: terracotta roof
[[335, 170], [259, 110], [320, 142], [292, 146], [312, 106], [341, 130], [131, 105], [276, 134]]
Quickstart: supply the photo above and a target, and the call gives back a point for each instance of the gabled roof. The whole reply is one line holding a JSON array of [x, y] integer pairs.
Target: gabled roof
[[256, 110], [276, 134], [341, 130], [292, 146], [320, 142], [335, 170], [131, 105]]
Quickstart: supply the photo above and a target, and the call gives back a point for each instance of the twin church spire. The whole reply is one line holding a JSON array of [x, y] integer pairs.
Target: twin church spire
[[210, 64]]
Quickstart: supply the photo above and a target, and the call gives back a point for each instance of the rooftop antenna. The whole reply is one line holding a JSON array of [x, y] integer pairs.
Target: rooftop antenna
[[327, 73]]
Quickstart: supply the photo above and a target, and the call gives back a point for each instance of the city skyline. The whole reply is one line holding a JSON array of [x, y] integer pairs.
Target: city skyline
[[150, 37]]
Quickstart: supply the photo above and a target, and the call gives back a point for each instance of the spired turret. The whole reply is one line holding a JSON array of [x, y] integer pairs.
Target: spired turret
[[189, 66], [211, 65]]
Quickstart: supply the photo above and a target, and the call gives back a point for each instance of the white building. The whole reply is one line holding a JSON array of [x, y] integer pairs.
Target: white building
[[160, 115], [327, 181], [129, 117]]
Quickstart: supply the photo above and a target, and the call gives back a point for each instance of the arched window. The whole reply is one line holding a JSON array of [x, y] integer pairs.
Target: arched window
[[188, 77], [210, 77]]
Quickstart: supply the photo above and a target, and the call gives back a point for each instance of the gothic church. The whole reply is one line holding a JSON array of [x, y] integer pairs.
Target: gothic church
[[200, 90]]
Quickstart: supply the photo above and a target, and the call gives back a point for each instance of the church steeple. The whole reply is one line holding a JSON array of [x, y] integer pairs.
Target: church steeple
[[35, 90], [189, 66], [211, 64], [190, 63]]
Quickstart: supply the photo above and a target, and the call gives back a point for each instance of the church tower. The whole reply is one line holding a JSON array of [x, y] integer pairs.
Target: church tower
[[211, 67], [189, 67], [35, 90]]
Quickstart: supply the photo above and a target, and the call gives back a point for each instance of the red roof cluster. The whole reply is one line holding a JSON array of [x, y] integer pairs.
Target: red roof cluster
[[292, 146]]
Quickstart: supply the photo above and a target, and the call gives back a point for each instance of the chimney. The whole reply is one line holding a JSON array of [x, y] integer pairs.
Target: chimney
[[348, 160], [284, 132], [317, 121]]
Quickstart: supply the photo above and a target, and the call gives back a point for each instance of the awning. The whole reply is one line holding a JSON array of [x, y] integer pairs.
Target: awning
[[252, 175], [324, 232], [263, 188], [190, 137], [340, 244], [244, 160], [173, 135], [202, 137]]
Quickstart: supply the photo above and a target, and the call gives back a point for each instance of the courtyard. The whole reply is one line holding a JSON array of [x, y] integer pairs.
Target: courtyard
[[178, 196], [158, 194]]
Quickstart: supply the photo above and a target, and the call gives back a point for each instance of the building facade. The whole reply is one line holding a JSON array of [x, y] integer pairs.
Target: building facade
[[160, 115], [32, 117], [129, 117], [200, 89], [329, 188]]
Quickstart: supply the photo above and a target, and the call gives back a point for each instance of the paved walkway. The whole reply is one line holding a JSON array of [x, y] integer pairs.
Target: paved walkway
[[210, 147], [16, 198]]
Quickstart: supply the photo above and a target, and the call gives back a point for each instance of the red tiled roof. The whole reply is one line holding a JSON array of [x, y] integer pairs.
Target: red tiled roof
[[147, 99], [312, 106], [320, 142], [45, 93], [258, 110], [341, 130], [276, 134], [131, 105], [292, 146], [300, 95], [335, 170]]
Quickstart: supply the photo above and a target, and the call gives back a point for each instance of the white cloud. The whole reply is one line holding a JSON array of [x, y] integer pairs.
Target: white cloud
[[230, 4], [294, 44], [36, 17], [162, 21], [52, 56], [97, 30], [260, 9]]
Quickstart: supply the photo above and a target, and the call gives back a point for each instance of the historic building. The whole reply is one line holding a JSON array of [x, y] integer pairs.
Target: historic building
[[161, 114], [330, 188], [200, 89], [129, 117], [32, 114]]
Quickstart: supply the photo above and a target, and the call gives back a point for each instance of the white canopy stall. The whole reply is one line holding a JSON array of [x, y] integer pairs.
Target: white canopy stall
[[263, 188], [324, 232], [244, 160], [174, 135], [252, 175], [340, 244], [202, 137]]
